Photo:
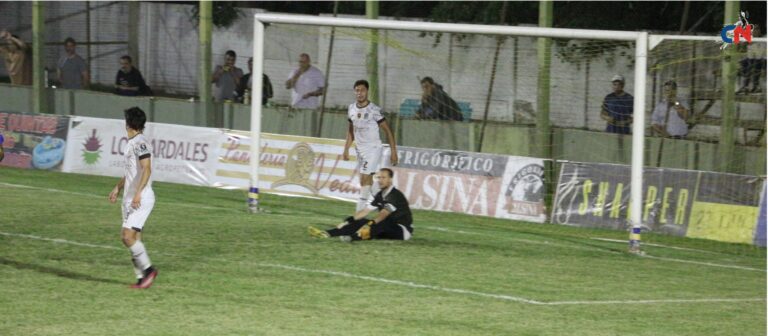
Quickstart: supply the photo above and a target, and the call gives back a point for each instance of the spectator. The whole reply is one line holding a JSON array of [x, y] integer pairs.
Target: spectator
[[307, 83], [617, 108], [72, 70], [436, 104], [750, 70], [246, 84], [226, 78], [129, 81], [670, 115], [17, 57]]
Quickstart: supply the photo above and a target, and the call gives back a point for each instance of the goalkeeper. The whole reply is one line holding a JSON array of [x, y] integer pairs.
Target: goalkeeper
[[392, 222]]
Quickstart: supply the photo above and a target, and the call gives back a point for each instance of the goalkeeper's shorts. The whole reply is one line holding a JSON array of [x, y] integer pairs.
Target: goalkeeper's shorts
[[389, 229]]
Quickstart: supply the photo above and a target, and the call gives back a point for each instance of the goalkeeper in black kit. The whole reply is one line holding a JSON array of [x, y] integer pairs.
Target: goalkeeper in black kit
[[394, 220]]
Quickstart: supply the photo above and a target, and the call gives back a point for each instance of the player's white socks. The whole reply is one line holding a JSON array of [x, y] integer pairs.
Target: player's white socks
[[140, 256], [138, 271], [365, 194], [375, 188]]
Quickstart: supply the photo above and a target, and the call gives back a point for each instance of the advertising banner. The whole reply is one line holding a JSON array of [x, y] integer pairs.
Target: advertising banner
[[726, 207], [678, 202], [33, 140], [181, 154], [473, 183], [289, 164]]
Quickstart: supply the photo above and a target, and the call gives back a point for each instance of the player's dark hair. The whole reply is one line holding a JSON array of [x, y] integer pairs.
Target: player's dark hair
[[231, 53], [428, 80], [127, 58], [671, 83], [135, 118], [69, 40], [362, 82], [391, 173]]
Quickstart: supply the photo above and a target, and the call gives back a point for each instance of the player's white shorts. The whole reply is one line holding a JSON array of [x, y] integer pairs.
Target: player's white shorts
[[135, 218], [368, 159]]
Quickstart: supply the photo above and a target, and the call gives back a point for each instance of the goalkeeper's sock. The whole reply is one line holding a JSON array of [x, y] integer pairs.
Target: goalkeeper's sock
[[365, 194], [139, 254]]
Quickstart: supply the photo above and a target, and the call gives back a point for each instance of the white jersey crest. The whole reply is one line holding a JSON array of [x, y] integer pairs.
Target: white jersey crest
[[365, 122]]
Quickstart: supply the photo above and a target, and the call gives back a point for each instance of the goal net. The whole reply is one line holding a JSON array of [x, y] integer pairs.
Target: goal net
[[520, 123]]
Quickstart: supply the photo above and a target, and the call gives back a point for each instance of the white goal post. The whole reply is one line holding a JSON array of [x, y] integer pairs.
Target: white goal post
[[640, 66]]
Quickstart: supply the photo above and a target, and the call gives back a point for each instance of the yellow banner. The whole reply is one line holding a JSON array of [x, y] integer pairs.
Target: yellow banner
[[723, 222]]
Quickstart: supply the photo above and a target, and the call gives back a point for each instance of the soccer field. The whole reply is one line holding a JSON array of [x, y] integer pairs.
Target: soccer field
[[222, 271]]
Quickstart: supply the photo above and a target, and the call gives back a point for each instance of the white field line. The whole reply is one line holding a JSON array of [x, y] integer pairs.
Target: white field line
[[655, 245], [746, 268], [417, 285], [708, 300], [425, 227], [527, 241], [60, 241], [105, 197]]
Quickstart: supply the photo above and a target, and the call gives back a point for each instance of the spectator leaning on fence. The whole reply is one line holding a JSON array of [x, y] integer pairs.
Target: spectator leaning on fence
[[18, 60], [72, 70], [246, 83], [226, 78], [129, 81], [436, 103], [670, 115], [617, 108]]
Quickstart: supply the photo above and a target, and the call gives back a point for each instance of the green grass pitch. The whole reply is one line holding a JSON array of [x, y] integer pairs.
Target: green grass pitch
[[63, 271]]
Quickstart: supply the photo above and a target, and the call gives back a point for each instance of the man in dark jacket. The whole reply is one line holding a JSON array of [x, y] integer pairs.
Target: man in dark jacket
[[129, 81], [436, 104], [247, 84]]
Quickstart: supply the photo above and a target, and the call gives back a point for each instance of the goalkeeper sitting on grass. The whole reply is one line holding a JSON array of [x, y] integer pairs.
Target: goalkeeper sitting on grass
[[393, 221]]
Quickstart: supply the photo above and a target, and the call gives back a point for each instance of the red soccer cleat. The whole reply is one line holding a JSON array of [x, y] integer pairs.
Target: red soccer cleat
[[147, 281]]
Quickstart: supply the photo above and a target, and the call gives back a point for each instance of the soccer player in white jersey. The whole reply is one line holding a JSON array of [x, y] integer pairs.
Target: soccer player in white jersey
[[138, 197], [365, 120]]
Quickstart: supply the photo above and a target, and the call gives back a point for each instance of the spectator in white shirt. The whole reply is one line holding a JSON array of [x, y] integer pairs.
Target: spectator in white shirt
[[306, 83], [670, 115]]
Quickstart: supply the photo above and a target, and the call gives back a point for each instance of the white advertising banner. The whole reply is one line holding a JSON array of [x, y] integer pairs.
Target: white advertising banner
[[289, 164], [522, 196], [181, 154], [473, 183]]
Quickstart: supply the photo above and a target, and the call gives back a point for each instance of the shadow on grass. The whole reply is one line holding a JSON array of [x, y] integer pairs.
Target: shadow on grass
[[56, 272]]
